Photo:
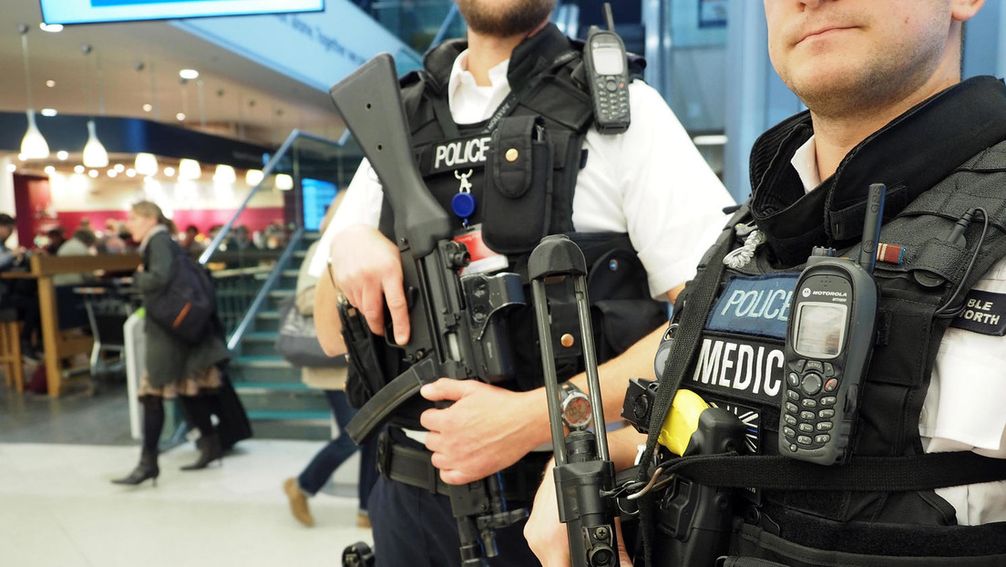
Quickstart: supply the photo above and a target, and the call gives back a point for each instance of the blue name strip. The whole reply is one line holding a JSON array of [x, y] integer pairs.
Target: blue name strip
[[754, 305]]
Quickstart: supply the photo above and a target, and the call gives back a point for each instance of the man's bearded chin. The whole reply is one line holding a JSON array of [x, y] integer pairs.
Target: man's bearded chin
[[503, 18]]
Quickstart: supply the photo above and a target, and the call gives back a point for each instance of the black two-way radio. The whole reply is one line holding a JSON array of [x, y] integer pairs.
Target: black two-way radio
[[608, 76], [829, 341]]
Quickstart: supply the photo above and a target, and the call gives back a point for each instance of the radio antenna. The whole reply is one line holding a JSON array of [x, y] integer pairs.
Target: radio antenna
[[871, 226]]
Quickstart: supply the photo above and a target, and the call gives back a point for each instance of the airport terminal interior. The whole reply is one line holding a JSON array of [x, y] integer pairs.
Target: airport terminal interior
[[221, 115]]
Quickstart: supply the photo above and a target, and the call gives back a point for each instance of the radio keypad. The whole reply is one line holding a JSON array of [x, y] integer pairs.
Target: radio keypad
[[809, 427]]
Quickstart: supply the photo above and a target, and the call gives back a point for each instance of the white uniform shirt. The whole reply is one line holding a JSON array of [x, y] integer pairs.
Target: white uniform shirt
[[963, 409], [650, 182]]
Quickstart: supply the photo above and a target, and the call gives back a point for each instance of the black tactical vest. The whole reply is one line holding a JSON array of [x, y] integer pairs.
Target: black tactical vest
[[521, 166], [940, 160]]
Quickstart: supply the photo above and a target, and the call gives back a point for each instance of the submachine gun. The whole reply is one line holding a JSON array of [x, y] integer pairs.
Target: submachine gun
[[456, 332], [583, 469]]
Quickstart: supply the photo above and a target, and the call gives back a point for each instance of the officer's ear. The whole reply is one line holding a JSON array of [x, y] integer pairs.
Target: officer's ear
[[964, 10]]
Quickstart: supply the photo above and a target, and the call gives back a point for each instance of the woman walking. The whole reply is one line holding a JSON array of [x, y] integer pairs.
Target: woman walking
[[173, 367]]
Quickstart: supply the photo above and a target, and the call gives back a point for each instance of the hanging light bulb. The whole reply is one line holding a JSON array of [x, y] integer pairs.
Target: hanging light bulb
[[225, 174], [189, 169], [95, 154], [145, 164], [284, 182], [253, 177], [33, 144]]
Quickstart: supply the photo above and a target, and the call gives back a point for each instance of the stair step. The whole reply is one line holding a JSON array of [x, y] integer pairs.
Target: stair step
[[282, 293], [255, 387], [261, 361], [260, 336], [290, 415], [267, 314]]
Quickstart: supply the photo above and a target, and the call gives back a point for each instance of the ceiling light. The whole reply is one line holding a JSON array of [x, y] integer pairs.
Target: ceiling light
[[33, 145], [95, 154], [284, 182], [93, 174], [189, 169], [62, 155], [51, 28], [180, 116], [710, 140], [49, 112], [119, 168], [11, 168], [112, 173], [50, 83], [145, 164], [21, 157], [78, 168], [49, 170], [190, 74], [147, 107], [254, 177], [169, 171], [130, 172], [225, 174]]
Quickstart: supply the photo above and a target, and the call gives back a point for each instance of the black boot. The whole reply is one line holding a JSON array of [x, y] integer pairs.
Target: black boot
[[146, 469], [209, 451]]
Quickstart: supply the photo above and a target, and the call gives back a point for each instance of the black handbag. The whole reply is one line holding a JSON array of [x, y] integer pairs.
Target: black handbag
[[298, 341]]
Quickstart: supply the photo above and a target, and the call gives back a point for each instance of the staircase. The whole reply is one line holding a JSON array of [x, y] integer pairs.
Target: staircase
[[277, 402]]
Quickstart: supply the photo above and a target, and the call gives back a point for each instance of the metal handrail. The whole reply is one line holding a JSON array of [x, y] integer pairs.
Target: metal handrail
[[263, 293]]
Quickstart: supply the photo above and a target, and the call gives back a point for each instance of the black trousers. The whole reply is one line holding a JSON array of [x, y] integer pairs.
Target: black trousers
[[415, 528]]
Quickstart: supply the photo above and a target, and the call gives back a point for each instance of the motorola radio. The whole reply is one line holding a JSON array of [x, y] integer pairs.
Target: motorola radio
[[829, 341], [608, 76]]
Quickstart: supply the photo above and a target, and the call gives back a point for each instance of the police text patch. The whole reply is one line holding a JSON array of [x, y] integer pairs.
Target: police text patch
[[757, 306], [984, 312]]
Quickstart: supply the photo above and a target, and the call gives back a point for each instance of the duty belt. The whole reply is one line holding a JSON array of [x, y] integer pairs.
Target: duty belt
[[401, 459]]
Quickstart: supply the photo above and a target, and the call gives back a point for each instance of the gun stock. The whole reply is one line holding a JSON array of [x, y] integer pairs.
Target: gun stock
[[371, 105]]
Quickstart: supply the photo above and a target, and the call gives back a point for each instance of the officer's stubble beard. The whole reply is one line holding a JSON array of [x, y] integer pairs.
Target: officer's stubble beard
[[882, 76], [505, 18]]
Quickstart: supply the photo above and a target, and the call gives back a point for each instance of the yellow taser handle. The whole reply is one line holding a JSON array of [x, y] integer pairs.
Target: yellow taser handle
[[682, 421]]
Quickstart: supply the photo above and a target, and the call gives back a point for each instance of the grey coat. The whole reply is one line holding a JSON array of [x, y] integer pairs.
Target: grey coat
[[170, 359]]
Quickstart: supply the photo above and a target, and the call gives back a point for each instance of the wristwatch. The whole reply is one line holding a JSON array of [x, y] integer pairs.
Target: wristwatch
[[574, 406]]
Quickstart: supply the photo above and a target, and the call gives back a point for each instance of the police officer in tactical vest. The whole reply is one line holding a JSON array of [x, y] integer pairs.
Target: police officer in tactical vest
[[923, 484], [642, 204]]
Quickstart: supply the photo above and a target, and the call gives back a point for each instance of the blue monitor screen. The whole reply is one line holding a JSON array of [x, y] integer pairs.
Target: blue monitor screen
[[318, 195], [100, 11]]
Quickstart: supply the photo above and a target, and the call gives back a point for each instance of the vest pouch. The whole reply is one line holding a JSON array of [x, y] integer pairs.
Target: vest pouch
[[821, 543], [518, 187]]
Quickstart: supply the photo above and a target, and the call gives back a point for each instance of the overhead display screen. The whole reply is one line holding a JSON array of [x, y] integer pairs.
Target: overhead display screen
[[103, 11]]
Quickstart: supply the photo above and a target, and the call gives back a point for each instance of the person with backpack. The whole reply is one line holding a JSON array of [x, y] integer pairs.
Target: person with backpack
[[177, 366]]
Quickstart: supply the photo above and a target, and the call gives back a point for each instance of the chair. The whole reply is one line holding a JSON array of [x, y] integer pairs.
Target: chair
[[10, 349]]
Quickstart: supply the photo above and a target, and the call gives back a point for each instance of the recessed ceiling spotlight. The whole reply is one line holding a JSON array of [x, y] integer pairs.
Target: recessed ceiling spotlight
[[11, 168], [78, 168], [50, 112], [62, 155], [119, 167], [49, 170], [112, 173], [190, 74], [169, 171], [147, 107], [93, 174], [180, 116], [51, 28], [50, 83]]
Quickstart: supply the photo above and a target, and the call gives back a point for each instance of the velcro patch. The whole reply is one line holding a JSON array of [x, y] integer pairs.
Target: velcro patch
[[754, 305], [463, 153], [738, 368], [984, 312]]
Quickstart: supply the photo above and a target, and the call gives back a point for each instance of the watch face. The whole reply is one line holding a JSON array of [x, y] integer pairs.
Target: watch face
[[576, 411], [751, 420]]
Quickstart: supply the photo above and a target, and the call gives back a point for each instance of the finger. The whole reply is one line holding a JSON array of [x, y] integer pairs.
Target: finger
[[455, 476], [399, 307], [447, 389], [434, 442], [432, 419], [372, 307]]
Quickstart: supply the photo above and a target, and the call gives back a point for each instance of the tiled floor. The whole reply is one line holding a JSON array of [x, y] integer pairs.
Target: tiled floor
[[57, 509]]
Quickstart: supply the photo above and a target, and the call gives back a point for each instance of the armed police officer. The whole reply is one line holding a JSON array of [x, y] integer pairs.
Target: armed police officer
[[924, 481], [643, 204]]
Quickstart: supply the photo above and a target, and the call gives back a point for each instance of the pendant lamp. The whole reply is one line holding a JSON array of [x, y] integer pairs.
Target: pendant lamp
[[95, 154], [33, 144], [145, 164]]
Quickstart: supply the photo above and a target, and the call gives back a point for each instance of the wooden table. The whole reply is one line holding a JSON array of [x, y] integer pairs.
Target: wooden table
[[55, 344]]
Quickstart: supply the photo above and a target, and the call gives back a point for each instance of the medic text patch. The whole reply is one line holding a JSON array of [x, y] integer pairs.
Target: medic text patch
[[739, 368], [984, 312], [756, 306]]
